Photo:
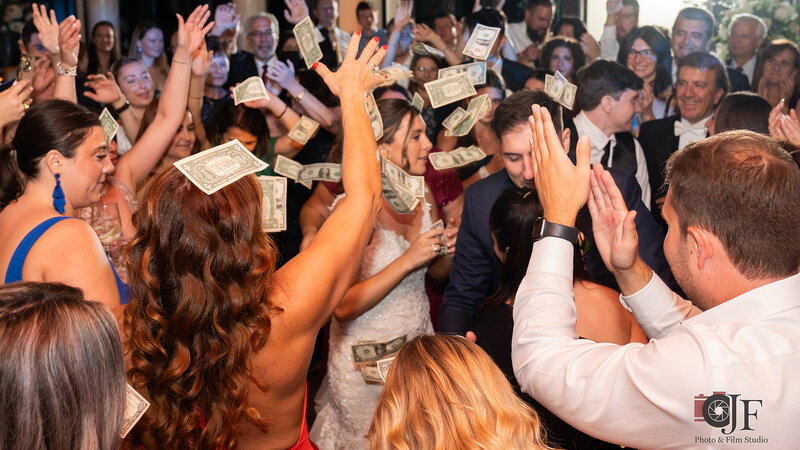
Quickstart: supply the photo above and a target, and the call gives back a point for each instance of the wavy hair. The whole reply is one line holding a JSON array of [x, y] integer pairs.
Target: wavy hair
[[200, 274], [62, 373], [578, 57], [445, 392]]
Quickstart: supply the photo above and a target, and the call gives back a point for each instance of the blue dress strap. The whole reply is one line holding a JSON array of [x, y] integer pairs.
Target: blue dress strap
[[14, 271]]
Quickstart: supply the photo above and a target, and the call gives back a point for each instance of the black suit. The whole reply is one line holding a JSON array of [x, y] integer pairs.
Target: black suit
[[243, 66], [515, 74], [739, 81]]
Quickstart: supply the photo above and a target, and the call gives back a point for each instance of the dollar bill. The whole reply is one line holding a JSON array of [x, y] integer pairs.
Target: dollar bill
[[456, 117], [374, 116], [273, 203], [476, 72], [367, 351], [109, 124], [448, 90], [371, 373], [417, 101], [439, 225], [481, 42], [383, 367], [320, 172], [423, 49], [303, 130], [401, 201], [456, 158], [394, 73], [478, 107], [289, 168], [560, 89], [412, 183], [217, 167], [307, 41], [250, 89], [135, 407]]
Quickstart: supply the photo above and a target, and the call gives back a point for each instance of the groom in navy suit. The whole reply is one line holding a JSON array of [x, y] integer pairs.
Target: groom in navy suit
[[476, 270]]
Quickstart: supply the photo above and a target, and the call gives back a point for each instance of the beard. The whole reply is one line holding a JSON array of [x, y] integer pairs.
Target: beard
[[537, 35]]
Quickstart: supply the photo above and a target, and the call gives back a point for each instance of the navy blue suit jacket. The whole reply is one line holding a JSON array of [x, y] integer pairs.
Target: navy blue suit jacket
[[243, 66], [475, 273]]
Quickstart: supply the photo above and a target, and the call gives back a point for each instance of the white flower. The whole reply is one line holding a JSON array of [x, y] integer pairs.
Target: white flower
[[723, 31], [784, 12]]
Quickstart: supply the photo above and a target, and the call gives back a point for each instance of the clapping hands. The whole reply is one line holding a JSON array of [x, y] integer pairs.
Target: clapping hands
[[784, 127]]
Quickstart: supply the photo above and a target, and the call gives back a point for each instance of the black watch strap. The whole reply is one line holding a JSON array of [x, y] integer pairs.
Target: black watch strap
[[543, 228]]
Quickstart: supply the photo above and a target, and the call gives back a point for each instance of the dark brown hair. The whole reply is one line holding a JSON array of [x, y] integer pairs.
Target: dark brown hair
[[515, 110], [247, 119], [62, 373], [743, 111], [53, 124], [578, 57], [200, 308], [775, 47], [745, 189], [94, 61]]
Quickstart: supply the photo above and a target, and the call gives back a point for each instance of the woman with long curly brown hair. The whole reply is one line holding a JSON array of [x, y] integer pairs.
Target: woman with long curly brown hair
[[444, 392], [216, 339]]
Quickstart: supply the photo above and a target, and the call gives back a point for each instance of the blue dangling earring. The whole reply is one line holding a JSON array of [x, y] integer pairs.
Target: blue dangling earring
[[58, 196]]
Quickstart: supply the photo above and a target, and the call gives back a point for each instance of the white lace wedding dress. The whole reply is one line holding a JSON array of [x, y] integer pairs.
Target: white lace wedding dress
[[349, 403]]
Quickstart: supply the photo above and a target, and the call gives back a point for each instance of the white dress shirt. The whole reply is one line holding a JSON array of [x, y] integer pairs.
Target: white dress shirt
[[748, 69], [517, 33], [584, 126], [645, 396], [609, 46], [693, 136]]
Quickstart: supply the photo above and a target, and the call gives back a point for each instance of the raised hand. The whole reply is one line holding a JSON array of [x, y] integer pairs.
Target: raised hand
[[104, 88], [281, 73], [612, 224], [424, 248], [451, 233], [69, 41], [201, 60], [13, 102], [355, 74], [297, 11], [613, 7], [790, 127], [225, 17], [192, 32], [562, 187], [425, 34], [402, 15], [47, 26], [590, 46], [774, 121]]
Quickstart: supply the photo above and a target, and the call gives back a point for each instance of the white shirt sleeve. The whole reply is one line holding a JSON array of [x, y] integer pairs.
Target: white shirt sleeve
[[634, 395], [657, 309], [609, 47], [642, 176]]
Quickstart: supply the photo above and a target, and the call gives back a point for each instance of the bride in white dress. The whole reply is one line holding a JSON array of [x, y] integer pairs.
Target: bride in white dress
[[388, 299]]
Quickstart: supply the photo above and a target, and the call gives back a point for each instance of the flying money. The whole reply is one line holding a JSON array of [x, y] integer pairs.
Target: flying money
[[217, 167], [250, 89]]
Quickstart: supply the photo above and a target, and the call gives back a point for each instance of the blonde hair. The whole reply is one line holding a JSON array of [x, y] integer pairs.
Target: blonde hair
[[444, 392]]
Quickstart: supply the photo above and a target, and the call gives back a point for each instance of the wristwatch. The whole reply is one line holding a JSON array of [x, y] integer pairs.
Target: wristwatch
[[543, 228]]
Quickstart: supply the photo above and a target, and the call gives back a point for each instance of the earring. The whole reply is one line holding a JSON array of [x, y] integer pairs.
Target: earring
[[139, 49], [58, 196]]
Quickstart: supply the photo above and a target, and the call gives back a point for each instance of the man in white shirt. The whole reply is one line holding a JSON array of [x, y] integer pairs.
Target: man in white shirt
[[608, 93], [719, 373], [701, 85], [527, 37], [746, 32], [622, 18]]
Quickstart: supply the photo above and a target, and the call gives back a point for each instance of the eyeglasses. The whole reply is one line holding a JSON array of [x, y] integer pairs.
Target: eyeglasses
[[260, 34], [427, 69], [647, 53]]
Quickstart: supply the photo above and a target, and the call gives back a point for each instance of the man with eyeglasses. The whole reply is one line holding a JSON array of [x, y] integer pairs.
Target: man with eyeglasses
[[608, 93], [623, 17], [261, 31]]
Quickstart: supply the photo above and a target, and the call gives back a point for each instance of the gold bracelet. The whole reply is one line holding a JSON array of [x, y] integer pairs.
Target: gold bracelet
[[182, 62], [300, 95]]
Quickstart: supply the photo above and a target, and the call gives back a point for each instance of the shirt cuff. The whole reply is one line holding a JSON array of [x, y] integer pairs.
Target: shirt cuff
[[552, 255], [649, 302]]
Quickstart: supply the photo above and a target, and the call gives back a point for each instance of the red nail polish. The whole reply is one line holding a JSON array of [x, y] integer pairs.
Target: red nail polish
[[358, 32], [315, 65], [386, 77], [376, 39], [384, 47]]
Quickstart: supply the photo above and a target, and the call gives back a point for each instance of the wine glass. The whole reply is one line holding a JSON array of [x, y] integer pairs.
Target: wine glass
[[106, 223]]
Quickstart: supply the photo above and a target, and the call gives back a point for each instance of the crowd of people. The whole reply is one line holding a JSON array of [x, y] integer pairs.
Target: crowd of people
[[623, 272]]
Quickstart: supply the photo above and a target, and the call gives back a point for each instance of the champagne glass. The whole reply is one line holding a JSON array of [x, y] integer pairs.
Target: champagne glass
[[106, 223]]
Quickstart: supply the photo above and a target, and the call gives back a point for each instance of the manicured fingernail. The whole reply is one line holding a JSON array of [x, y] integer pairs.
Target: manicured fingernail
[[386, 77], [315, 65], [384, 47], [358, 32], [376, 39]]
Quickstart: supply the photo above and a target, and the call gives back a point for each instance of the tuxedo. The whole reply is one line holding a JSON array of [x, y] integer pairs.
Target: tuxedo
[[243, 66], [476, 271], [739, 81], [515, 74]]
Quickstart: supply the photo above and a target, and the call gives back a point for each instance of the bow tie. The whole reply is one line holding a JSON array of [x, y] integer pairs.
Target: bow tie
[[681, 128]]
